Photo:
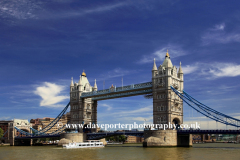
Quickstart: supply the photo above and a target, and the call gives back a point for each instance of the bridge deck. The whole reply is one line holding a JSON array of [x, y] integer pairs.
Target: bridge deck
[[125, 91]]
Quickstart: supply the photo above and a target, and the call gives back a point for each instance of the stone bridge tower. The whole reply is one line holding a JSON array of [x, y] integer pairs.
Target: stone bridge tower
[[83, 110], [167, 106]]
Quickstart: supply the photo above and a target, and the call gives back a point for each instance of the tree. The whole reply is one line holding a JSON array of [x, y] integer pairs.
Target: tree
[[1, 132], [122, 138]]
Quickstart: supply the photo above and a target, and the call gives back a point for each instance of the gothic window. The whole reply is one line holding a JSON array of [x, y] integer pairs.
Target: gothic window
[[160, 73], [160, 80], [88, 106], [171, 72], [161, 108]]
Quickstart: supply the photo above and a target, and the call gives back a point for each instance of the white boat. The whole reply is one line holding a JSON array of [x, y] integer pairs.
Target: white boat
[[87, 144]]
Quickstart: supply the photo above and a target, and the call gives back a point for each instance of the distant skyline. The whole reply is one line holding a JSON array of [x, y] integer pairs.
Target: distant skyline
[[44, 44]]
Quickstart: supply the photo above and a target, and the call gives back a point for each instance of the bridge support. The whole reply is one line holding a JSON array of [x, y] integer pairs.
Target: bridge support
[[160, 138], [66, 138], [166, 138]]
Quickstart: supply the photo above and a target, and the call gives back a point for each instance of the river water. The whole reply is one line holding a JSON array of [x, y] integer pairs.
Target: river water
[[211, 151]]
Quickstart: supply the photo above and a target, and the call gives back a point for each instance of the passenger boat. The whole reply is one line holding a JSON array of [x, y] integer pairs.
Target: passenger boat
[[87, 144]]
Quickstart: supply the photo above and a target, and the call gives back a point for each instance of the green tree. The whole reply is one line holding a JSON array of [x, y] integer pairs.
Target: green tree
[[122, 138], [1, 132]]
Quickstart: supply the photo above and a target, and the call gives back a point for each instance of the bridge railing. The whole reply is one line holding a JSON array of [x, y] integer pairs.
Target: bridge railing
[[117, 89]]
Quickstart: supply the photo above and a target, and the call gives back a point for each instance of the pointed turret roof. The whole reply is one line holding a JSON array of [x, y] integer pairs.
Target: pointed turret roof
[[154, 65], [95, 84], [180, 68], [167, 63], [71, 82]]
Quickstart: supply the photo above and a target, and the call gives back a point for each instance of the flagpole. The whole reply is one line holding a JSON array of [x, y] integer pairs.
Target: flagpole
[[122, 83], [103, 84]]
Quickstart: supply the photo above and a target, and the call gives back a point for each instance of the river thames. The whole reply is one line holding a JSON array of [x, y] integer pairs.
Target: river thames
[[127, 151]]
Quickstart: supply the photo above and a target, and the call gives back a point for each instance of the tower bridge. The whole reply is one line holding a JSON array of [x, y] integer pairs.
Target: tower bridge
[[167, 106], [167, 91]]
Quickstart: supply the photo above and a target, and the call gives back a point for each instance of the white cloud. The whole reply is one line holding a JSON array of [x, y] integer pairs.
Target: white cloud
[[219, 26], [225, 70], [5, 118], [50, 94], [19, 9], [117, 72], [213, 70], [137, 111], [159, 55], [32, 9], [189, 68], [219, 35], [104, 8], [106, 105], [143, 119]]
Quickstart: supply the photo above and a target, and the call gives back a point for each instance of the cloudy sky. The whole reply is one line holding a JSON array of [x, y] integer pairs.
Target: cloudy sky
[[45, 43]]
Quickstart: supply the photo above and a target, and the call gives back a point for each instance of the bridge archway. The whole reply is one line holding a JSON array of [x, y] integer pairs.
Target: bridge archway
[[20, 134], [176, 121]]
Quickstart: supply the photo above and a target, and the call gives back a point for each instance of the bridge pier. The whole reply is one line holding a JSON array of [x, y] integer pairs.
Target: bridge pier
[[166, 138], [160, 138], [66, 138]]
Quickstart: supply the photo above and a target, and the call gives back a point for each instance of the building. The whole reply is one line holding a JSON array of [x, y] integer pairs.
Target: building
[[167, 106], [197, 138], [83, 112], [4, 125], [41, 123]]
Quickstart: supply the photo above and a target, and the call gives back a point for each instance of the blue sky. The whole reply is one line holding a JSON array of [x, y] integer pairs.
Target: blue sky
[[45, 43]]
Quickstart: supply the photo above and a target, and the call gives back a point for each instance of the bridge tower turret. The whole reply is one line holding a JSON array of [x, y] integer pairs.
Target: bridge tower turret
[[95, 86], [167, 107], [83, 110], [180, 76]]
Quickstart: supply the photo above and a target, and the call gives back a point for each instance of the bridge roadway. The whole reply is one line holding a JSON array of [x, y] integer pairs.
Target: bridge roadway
[[91, 136], [118, 92]]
